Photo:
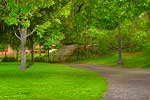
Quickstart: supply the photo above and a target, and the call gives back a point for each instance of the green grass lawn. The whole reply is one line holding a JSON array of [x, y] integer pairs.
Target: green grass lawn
[[49, 82], [136, 61]]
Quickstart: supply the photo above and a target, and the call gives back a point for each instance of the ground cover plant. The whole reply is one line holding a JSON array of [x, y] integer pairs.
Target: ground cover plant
[[49, 82]]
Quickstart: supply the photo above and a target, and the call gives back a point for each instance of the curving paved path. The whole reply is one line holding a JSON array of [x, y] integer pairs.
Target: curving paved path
[[124, 84]]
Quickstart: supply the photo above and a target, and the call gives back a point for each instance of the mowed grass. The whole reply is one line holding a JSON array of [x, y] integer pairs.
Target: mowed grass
[[134, 61], [49, 82]]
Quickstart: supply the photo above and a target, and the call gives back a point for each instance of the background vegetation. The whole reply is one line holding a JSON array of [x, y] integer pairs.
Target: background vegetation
[[97, 28]]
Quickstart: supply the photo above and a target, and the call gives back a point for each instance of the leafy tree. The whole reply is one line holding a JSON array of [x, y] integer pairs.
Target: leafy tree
[[22, 12], [113, 14]]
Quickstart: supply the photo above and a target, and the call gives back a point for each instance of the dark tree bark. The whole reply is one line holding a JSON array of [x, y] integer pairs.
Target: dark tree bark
[[17, 54], [5, 53], [48, 54], [32, 49], [32, 55], [40, 50], [120, 61]]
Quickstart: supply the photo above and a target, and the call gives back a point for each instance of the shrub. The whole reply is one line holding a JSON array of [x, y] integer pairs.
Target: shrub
[[40, 59], [9, 59]]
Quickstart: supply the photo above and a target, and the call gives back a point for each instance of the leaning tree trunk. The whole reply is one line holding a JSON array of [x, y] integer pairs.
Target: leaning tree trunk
[[119, 47], [23, 34]]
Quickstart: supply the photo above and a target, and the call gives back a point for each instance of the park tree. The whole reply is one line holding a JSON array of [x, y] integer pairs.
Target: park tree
[[112, 15], [20, 13]]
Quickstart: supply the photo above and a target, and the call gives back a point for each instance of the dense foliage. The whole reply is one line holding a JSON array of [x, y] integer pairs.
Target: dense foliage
[[102, 25]]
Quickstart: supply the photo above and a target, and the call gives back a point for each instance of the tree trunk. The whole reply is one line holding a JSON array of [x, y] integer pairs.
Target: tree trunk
[[23, 34], [17, 54], [32, 50], [119, 47], [32, 55], [48, 55], [40, 50], [5, 53]]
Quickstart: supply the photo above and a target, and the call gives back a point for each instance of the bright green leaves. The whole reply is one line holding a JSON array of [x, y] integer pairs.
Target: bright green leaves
[[41, 29], [96, 33], [43, 3], [65, 11], [115, 12], [52, 38], [11, 21], [23, 11], [47, 3], [57, 21], [19, 14], [49, 33], [26, 23]]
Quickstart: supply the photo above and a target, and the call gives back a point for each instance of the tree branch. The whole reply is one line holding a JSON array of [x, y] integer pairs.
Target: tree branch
[[17, 36], [31, 32], [80, 7]]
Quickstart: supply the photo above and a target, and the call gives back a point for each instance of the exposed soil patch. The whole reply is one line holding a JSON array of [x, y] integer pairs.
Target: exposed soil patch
[[132, 53]]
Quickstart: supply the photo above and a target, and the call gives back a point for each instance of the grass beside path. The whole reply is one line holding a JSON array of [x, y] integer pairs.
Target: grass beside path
[[134, 61], [49, 82]]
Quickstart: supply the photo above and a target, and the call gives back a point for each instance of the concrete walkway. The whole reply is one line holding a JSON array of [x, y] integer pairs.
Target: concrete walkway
[[124, 84]]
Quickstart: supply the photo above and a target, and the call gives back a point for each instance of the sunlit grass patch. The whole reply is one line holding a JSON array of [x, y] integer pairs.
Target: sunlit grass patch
[[49, 82]]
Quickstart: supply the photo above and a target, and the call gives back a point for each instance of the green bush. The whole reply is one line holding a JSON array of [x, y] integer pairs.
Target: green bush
[[9, 59], [40, 59]]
